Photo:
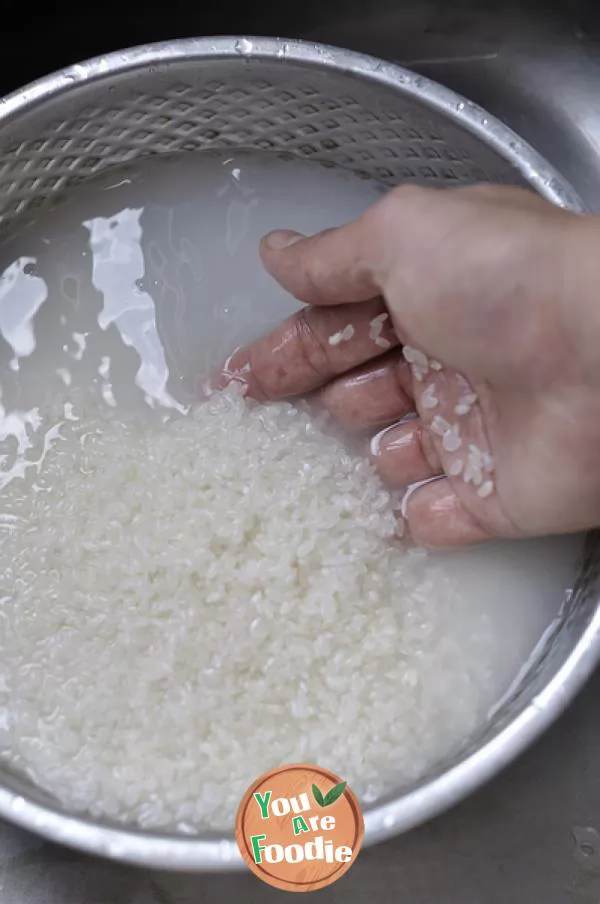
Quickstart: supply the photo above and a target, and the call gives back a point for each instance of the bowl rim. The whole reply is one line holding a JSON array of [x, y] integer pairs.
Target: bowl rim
[[216, 852]]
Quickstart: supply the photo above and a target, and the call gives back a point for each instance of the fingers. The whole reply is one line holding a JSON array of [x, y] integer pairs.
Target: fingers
[[437, 518], [372, 395], [309, 349], [333, 267], [406, 454]]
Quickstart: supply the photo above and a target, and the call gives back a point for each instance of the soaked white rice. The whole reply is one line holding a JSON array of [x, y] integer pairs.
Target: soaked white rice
[[186, 606]]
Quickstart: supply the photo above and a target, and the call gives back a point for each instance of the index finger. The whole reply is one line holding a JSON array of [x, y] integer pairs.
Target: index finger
[[309, 349]]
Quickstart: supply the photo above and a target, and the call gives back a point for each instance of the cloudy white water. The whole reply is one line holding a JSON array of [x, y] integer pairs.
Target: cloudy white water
[[122, 299]]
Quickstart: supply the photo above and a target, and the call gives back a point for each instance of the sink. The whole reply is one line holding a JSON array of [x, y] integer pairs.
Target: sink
[[533, 834], [539, 73]]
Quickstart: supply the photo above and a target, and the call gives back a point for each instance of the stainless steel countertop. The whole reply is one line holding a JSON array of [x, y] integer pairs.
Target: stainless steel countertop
[[533, 835]]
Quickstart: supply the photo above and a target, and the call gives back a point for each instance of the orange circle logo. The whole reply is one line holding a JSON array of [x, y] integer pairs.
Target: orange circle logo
[[299, 827]]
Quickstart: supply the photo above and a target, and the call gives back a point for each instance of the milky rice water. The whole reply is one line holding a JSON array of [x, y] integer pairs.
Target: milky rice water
[[193, 593]]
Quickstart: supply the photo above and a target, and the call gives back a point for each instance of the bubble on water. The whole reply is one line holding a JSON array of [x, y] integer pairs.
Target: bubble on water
[[587, 847]]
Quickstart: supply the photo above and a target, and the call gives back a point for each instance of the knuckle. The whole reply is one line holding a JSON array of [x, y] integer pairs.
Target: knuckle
[[314, 281], [410, 191], [428, 448], [395, 211], [403, 196], [261, 387], [316, 267], [311, 347]]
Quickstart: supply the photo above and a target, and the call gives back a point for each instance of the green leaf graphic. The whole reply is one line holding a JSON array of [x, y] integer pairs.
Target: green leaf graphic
[[318, 796], [333, 794]]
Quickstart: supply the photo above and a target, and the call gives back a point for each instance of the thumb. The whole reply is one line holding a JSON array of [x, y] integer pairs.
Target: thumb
[[329, 268]]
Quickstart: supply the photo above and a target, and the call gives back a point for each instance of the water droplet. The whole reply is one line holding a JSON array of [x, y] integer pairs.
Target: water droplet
[[225, 850], [587, 847], [243, 47], [283, 50], [389, 820], [460, 107], [484, 122]]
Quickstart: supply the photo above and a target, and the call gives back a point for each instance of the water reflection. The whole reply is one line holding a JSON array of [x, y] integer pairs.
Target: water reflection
[[117, 272], [22, 294]]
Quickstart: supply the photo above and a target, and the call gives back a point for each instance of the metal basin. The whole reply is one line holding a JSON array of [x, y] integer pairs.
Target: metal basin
[[337, 107]]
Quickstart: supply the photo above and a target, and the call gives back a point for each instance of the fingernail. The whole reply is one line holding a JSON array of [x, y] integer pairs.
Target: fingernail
[[281, 238], [375, 447], [412, 488], [382, 440]]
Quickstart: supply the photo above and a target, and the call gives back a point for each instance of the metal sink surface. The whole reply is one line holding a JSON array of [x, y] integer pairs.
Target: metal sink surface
[[532, 836]]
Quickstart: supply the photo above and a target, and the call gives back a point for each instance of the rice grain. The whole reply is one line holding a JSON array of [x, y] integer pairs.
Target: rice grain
[[204, 600]]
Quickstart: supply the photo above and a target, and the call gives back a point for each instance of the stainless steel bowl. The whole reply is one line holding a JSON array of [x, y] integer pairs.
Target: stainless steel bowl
[[337, 107]]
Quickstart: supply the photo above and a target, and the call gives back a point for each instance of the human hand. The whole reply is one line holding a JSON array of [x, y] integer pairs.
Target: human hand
[[492, 294]]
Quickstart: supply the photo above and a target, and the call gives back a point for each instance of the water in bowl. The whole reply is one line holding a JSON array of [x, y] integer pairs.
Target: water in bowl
[[115, 305]]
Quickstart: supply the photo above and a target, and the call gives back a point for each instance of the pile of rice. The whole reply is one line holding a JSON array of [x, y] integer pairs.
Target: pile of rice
[[185, 606]]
